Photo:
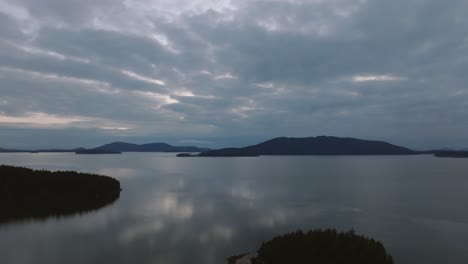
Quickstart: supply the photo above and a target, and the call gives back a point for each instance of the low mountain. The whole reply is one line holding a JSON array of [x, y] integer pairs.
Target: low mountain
[[151, 147], [322, 145], [58, 150], [2, 150]]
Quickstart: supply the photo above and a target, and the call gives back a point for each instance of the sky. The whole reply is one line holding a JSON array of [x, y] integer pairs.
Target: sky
[[232, 73]]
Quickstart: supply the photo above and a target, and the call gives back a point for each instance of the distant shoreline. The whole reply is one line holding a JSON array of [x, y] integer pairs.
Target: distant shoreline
[[96, 151], [452, 154], [281, 146], [313, 146]]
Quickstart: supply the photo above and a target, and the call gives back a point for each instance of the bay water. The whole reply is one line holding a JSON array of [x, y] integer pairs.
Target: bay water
[[202, 210]]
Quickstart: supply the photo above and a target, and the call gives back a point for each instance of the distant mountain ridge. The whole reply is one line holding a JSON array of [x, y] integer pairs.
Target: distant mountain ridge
[[2, 150], [150, 147], [321, 145], [117, 147]]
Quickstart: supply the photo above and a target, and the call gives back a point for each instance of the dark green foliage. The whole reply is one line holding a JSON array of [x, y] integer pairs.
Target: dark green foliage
[[322, 247], [26, 193]]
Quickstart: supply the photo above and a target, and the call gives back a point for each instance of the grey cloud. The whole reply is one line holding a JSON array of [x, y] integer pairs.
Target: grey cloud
[[375, 69], [9, 28], [67, 12]]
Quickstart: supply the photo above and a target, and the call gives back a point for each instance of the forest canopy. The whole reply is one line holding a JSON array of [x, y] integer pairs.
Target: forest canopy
[[36, 194], [322, 246]]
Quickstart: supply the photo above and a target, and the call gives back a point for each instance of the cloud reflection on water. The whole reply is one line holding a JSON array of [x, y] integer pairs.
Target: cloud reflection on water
[[203, 210]]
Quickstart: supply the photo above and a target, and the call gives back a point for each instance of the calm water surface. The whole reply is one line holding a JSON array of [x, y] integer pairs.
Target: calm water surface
[[202, 210]]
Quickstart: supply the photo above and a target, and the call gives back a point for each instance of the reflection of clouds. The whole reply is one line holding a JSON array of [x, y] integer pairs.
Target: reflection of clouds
[[243, 191], [208, 212], [204, 210], [97, 219], [130, 234], [350, 210], [173, 208], [181, 184], [223, 232], [216, 233], [450, 227], [118, 172], [276, 217], [158, 210]]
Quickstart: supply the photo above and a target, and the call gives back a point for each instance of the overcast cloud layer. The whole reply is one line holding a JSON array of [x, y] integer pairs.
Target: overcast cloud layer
[[218, 73]]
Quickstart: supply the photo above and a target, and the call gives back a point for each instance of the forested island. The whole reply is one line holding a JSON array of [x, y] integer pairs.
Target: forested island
[[97, 151], [280, 146], [37, 194], [150, 147], [451, 154], [319, 246], [321, 145], [114, 148]]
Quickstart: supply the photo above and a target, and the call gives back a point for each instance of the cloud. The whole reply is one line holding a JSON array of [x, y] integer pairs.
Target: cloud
[[218, 69], [226, 76], [142, 78], [370, 78], [40, 119]]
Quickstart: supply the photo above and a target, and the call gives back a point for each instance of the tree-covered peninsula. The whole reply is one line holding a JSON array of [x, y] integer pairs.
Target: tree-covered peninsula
[[318, 246], [36, 194]]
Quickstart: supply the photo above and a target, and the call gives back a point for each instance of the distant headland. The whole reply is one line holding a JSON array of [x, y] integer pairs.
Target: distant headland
[[321, 145], [38, 194], [150, 147], [97, 151], [289, 146], [115, 148], [451, 154]]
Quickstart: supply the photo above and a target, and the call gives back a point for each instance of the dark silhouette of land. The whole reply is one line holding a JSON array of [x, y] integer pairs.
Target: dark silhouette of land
[[185, 155], [234, 259], [2, 150], [151, 147], [322, 145], [97, 151], [37, 194], [116, 147], [321, 246], [451, 154]]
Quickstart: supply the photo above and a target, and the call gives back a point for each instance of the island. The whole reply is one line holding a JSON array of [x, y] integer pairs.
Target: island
[[97, 151], [149, 147], [321, 145], [451, 154], [318, 246], [38, 194], [185, 155], [114, 148]]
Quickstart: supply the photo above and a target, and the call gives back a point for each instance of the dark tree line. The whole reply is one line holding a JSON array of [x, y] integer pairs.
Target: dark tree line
[[322, 247], [32, 194]]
